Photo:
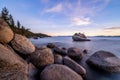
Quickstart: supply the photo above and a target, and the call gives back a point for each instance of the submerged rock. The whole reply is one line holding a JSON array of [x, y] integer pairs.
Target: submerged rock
[[42, 57], [85, 51], [51, 45], [59, 72], [22, 44], [60, 51], [6, 34], [75, 53], [105, 61], [79, 37], [12, 67]]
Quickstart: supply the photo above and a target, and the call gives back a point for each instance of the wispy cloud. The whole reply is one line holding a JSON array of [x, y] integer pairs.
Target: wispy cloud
[[57, 8], [113, 28], [81, 21], [78, 10]]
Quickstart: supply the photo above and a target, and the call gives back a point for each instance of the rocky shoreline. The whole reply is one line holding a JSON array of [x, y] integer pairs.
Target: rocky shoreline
[[21, 60]]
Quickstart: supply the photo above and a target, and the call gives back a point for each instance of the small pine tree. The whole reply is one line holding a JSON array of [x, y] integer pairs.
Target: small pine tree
[[23, 30], [5, 14], [18, 25], [27, 29], [11, 21]]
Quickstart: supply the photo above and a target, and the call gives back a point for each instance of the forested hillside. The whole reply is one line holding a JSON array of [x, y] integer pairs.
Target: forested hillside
[[17, 27]]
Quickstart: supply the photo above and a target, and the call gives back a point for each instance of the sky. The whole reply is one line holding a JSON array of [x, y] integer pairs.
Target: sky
[[66, 17]]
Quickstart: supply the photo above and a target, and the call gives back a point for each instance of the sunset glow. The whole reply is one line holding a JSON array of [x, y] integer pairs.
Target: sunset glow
[[66, 17]]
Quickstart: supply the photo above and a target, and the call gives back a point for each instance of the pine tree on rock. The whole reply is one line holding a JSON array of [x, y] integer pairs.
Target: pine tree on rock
[[18, 25], [5, 14]]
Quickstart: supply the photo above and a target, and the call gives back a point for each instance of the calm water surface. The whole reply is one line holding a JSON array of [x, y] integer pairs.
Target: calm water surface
[[111, 44]]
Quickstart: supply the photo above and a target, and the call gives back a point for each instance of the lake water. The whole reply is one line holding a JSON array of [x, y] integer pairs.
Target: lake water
[[111, 44]]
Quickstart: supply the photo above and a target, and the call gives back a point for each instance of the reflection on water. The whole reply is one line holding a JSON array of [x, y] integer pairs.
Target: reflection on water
[[111, 44]]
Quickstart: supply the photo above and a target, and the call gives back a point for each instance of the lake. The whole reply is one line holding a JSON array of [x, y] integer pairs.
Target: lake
[[111, 44]]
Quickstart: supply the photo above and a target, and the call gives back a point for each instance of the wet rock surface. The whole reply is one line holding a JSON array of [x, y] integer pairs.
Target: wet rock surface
[[105, 61], [60, 51], [42, 57], [58, 59], [32, 71], [51, 45], [75, 53], [74, 66], [59, 72]]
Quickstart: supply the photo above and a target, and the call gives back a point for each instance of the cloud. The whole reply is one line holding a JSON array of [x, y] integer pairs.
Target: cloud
[[81, 21], [77, 10], [113, 28], [78, 7], [112, 31], [56, 8]]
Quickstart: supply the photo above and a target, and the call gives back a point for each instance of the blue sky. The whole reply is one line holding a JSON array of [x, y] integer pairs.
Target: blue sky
[[65, 17]]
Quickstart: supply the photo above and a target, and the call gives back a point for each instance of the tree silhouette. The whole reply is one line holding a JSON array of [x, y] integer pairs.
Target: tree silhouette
[[27, 29], [5, 14], [11, 23], [18, 25], [23, 30]]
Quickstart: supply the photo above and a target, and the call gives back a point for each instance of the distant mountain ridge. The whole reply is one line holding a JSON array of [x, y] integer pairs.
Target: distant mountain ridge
[[106, 36]]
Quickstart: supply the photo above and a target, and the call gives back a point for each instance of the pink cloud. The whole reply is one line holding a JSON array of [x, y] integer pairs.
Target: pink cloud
[[81, 21]]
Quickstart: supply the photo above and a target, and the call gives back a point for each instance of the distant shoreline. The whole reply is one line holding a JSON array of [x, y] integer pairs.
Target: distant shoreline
[[87, 36]]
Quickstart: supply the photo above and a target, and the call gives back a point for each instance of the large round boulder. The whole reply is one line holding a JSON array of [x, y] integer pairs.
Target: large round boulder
[[6, 34], [75, 53], [74, 66], [12, 67], [22, 44], [59, 72], [105, 61], [42, 57]]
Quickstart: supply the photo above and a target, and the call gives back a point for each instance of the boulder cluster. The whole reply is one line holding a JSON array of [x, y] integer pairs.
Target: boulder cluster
[[21, 60]]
